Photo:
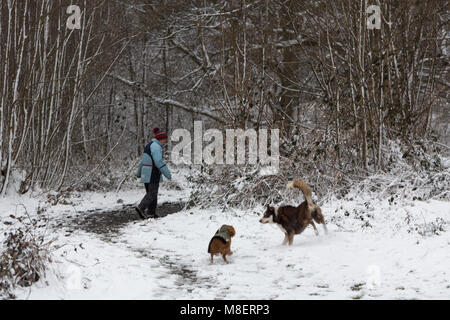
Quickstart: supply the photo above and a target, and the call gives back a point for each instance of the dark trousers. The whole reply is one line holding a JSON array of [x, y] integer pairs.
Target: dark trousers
[[150, 199]]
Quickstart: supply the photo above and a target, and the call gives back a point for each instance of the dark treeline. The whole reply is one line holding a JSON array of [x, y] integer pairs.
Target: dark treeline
[[73, 99]]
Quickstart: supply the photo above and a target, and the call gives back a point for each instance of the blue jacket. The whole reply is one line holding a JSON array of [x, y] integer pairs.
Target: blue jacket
[[146, 165]]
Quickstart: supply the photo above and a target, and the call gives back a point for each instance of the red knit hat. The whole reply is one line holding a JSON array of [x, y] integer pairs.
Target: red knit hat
[[160, 134]]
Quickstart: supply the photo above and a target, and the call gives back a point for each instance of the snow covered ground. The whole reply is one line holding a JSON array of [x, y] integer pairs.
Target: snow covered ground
[[374, 250]]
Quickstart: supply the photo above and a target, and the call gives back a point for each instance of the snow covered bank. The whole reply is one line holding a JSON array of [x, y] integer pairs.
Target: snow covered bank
[[380, 246]]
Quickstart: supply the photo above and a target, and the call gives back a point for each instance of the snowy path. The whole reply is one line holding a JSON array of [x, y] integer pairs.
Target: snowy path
[[337, 265], [167, 259]]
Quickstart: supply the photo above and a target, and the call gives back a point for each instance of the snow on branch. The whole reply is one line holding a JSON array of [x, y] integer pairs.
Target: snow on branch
[[166, 101]]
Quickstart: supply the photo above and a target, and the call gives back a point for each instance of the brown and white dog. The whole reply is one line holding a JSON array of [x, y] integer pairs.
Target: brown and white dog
[[293, 220], [221, 242]]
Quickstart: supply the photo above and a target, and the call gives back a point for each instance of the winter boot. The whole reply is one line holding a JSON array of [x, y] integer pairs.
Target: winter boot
[[141, 213]]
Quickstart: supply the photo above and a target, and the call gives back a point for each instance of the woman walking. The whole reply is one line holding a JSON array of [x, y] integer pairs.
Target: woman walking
[[149, 171]]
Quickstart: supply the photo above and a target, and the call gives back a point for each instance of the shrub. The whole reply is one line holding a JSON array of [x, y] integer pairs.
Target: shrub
[[25, 254]]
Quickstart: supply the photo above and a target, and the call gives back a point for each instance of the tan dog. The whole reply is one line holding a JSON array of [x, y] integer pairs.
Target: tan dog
[[221, 242]]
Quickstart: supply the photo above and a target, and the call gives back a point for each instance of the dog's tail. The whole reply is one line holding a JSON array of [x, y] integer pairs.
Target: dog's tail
[[305, 189]]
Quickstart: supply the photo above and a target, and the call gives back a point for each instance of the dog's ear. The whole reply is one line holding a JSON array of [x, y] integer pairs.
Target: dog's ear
[[268, 206], [232, 231]]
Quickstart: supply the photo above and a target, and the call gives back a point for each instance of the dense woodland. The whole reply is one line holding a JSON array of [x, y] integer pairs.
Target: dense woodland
[[74, 102]]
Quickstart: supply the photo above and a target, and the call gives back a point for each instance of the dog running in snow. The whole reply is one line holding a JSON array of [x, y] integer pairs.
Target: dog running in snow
[[293, 220], [221, 242]]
